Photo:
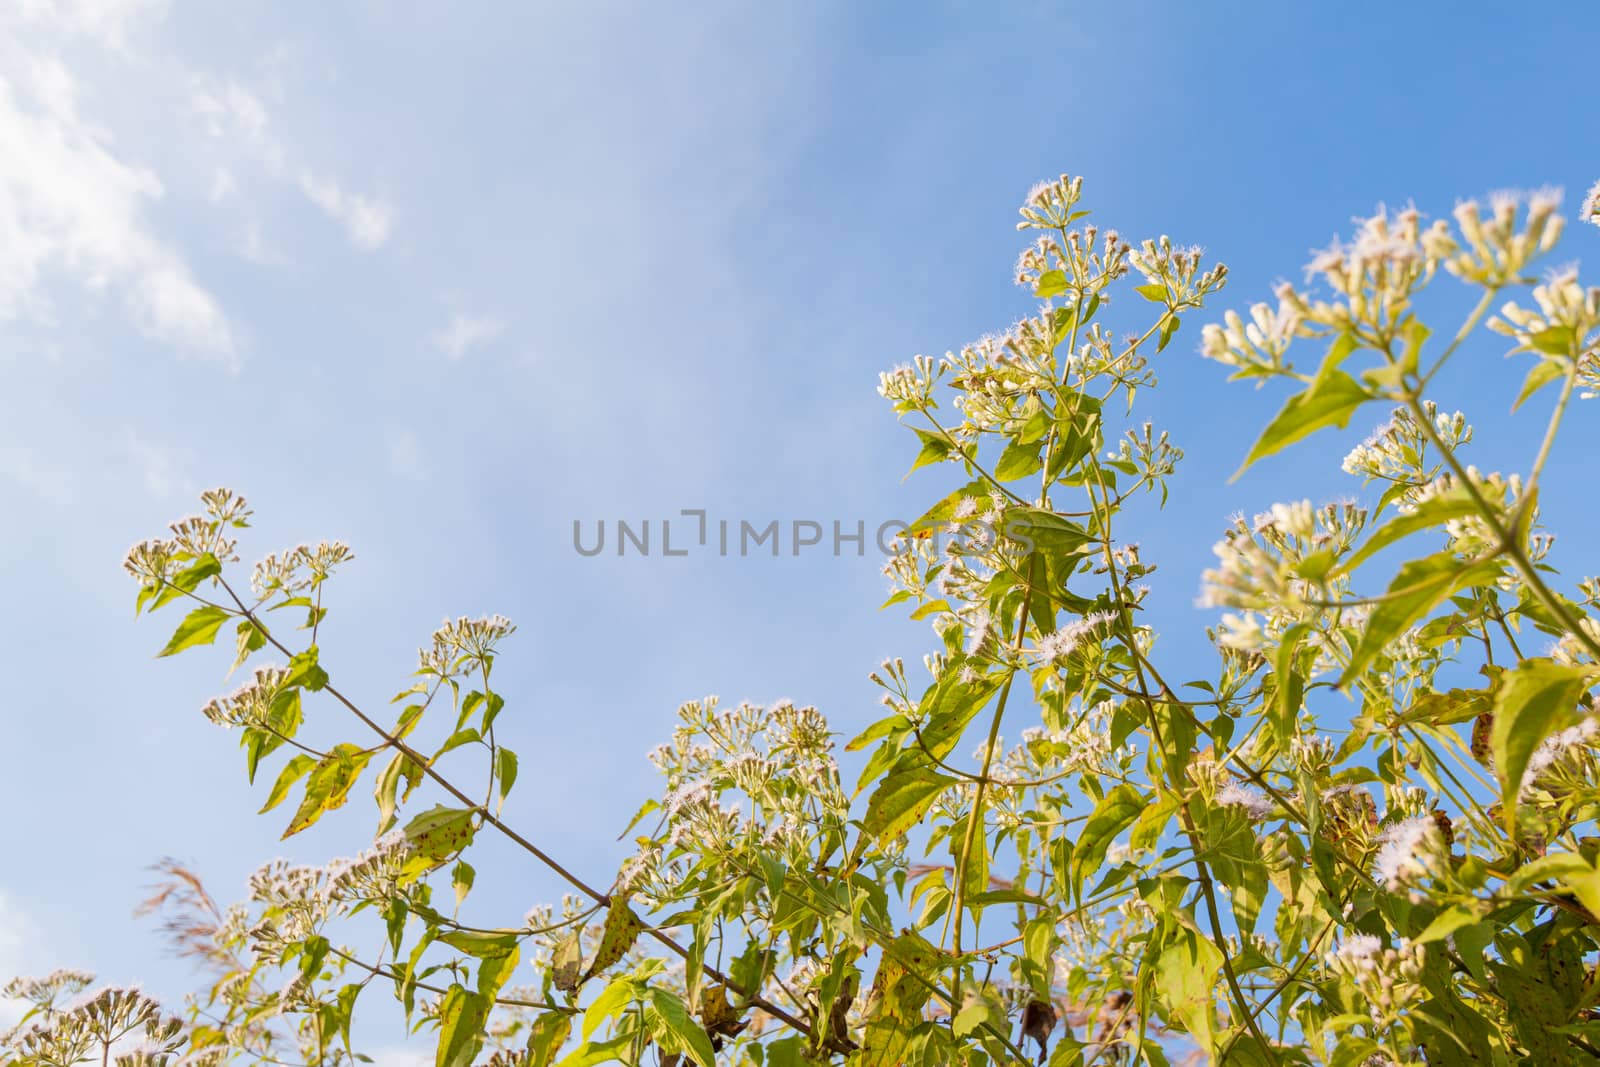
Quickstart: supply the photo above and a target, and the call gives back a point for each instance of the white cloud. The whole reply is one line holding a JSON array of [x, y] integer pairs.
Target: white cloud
[[405, 456], [464, 333], [227, 108], [23, 469], [70, 208], [254, 247], [160, 468], [107, 21], [367, 221], [222, 185]]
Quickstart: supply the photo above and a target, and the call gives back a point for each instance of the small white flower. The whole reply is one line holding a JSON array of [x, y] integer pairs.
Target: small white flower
[[1591, 204], [1255, 803], [1557, 745], [1406, 851], [1355, 954]]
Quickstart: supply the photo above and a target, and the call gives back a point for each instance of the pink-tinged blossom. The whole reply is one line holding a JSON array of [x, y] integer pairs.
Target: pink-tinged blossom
[[1405, 852], [1255, 803]]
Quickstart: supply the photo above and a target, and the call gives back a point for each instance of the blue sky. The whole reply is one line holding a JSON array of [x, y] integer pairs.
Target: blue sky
[[439, 279]]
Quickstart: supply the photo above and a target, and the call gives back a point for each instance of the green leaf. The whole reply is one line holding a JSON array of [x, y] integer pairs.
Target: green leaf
[[463, 1016], [461, 879], [935, 449], [385, 791], [199, 627], [675, 1020], [1330, 400], [945, 510], [1186, 978], [185, 581], [249, 637], [545, 1038], [1434, 511], [292, 772], [495, 970], [1553, 867], [329, 785], [1039, 941], [885, 726], [456, 740], [1420, 587], [482, 944], [303, 670], [1018, 461], [1290, 686], [1554, 340], [1448, 922], [1036, 528], [612, 1000], [948, 708], [1540, 375], [1050, 283], [901, 799], [1115, 812], [505, 762], [1154, 292], [440, 832], [1169, 326], [1533, 701]]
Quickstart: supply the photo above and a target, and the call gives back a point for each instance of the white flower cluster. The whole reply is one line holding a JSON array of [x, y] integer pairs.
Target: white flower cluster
[[1390, 978], [1567, 746], [1570, 650], [1494, 250], [1177, 271], [298, 569], [294, 898], [909, 386], [1258, 345], [1247, 575], [153, 562], [373, 875], [1562, 305], [778, 759], [1410, 852], [1376, 274], [1256, 804], [1064, 640], [463, 644], [1395, 451], [251, 703], [123, 1018], [1085, 745], [1566, 324], [1083, 262], [1049, 204]]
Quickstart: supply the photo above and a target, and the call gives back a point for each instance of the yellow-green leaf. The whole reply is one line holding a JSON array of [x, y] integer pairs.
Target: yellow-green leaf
[[329, 785], [901, 799], [1116, 812], [292, 772], [199, 627], [1533, 701], [1420, 587], [1330, 400]]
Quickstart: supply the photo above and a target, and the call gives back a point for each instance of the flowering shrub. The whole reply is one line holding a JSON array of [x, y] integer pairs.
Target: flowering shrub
[[1366, 838]]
